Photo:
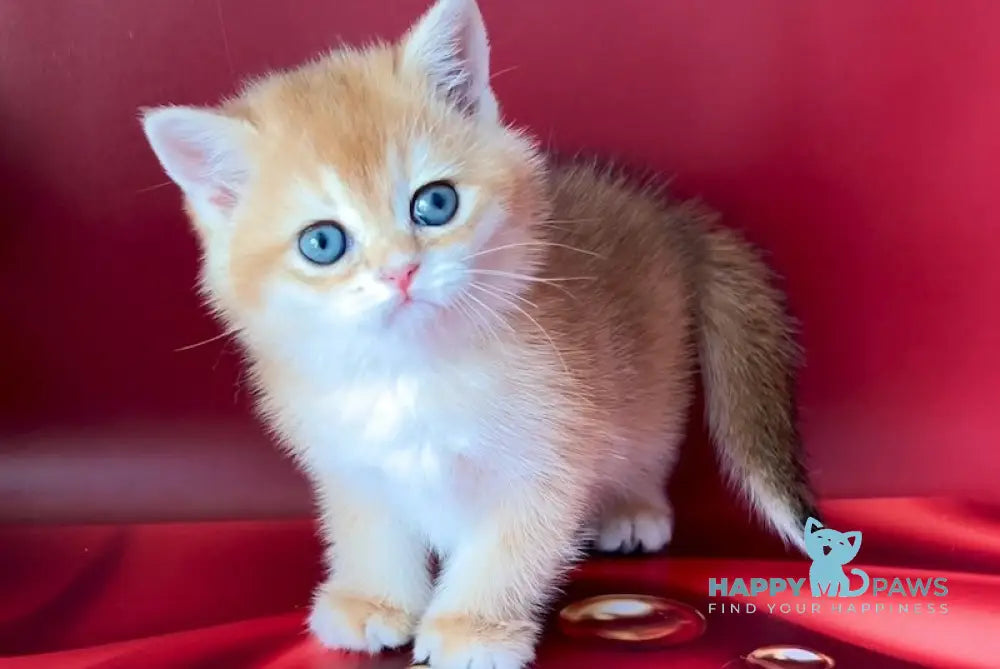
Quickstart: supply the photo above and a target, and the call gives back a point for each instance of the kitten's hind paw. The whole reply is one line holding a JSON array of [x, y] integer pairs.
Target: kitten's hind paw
[[632, 528], [351, 622]]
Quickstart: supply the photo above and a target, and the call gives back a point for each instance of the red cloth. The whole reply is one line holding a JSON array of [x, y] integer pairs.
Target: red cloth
[[235, 594]]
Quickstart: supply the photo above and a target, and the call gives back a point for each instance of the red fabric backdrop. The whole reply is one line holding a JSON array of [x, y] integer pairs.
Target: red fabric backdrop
[[857, 142]]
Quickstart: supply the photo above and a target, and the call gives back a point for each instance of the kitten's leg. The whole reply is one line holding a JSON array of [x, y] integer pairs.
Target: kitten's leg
[[379, 581], [637, 521], [635, 514], [485, 610]]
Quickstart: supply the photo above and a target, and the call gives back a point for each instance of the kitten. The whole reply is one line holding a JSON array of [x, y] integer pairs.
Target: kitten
[[471, 351]]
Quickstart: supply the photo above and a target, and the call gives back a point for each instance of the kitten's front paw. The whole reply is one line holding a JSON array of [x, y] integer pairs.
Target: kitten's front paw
[[464, 642], [347, 621], [631, 528]]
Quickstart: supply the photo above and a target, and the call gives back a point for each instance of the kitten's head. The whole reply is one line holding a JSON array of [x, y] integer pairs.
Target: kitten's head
[[824, 544], [368, 200]]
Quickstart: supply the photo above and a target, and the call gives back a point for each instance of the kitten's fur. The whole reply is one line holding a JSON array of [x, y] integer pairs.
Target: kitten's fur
[[539, 385]]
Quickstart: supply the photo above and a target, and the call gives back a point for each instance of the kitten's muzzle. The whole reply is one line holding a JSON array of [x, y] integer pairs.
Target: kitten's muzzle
[[401, 277]]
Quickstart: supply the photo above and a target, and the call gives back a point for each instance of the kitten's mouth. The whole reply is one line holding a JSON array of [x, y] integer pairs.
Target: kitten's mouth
[[403, 304], [827, 550], [407, 303]]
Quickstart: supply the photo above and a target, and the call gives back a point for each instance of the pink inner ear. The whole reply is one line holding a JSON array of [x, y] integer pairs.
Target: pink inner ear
[[193, 163], [189, 158]]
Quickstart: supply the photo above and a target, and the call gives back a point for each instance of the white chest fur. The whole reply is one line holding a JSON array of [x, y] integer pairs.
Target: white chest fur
[[437, 445]]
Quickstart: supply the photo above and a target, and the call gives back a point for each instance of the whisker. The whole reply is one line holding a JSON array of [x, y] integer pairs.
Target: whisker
[[504, 71], [482, 326], [531, 318], [475, 317], [489, 310], [515, 245], [569, 220], [225, 38], [500, 291], [227, 333], [153, 187], [528, 277]]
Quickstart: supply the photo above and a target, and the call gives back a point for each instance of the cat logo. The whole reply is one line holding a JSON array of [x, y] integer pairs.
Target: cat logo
[[830, 550]]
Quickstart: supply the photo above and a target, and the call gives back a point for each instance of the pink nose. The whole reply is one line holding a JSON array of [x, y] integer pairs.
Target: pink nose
[[401, 276]]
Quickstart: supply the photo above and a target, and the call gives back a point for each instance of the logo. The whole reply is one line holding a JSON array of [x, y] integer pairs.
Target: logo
[[830, 579], [830, 550]]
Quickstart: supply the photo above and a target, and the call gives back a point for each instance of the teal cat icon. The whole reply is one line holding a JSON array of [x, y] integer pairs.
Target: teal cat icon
[[830, 550]]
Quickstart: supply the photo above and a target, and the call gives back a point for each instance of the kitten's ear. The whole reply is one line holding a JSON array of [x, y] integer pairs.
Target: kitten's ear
[[853, 538], [812, 525], [204, 152], [449, 46]]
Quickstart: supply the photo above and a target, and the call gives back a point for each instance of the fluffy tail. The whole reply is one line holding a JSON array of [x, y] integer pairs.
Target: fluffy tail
[[748, 362]]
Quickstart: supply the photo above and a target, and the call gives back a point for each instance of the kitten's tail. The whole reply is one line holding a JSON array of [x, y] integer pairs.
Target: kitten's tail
[[748, 362]]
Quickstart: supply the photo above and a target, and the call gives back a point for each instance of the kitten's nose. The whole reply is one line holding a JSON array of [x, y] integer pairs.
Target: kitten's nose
[[402, 276]]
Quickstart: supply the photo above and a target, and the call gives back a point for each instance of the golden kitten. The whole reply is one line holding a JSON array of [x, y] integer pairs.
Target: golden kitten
[[470, 351]]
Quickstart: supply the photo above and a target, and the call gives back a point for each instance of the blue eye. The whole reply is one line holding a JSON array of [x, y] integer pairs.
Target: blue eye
[[323, 243], [434, 204]]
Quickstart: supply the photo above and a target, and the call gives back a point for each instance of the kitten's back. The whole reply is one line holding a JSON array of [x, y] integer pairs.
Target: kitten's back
[[671, 283]]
